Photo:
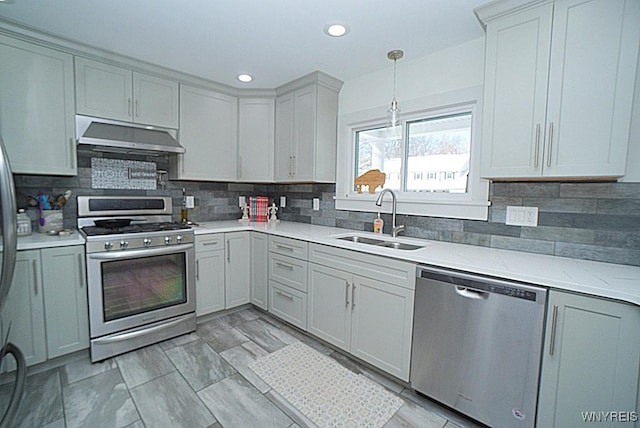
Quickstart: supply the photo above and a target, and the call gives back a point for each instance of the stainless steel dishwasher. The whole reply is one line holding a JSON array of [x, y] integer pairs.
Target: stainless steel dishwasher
[[477, 343]]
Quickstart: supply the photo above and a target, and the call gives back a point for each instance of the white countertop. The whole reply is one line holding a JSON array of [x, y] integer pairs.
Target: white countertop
[[609, 280], [37, 240]]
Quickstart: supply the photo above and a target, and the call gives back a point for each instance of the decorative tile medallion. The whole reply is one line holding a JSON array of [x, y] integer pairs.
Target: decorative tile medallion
[[122, 174], [323, 390]]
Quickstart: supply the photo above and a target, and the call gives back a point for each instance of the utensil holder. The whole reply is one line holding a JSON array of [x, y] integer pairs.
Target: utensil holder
[[53, 221]]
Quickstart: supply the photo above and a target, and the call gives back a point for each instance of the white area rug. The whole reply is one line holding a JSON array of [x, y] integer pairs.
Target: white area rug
[[323, 390]]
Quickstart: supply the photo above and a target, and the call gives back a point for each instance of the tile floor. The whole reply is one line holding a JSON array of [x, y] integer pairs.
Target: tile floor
[[196, 380]]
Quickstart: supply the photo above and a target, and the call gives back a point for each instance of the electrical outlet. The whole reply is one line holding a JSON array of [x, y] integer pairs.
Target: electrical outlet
[[190, 202], [241, 201], [522, 216], [283, 201], [316, 204]]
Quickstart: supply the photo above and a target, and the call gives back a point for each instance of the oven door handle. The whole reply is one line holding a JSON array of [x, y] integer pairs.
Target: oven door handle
[[129, 254]]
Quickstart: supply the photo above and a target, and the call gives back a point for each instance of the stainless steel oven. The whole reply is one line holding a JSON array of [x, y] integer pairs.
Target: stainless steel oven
[[141, 273]]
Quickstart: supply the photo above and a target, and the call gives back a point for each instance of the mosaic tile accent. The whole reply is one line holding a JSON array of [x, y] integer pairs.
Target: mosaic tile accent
[[122, 174], [323, 390]]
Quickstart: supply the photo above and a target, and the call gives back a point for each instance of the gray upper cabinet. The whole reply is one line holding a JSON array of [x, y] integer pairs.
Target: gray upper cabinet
[[559, 83], [36, 108], [306, 129], [117, 93], [256, 124]]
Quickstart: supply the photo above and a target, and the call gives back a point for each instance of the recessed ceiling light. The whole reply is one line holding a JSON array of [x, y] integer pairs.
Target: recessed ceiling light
[[336, 30], [245, 78]]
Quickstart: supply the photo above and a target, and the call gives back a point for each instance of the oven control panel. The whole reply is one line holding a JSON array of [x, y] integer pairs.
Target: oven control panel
[[136, 242]]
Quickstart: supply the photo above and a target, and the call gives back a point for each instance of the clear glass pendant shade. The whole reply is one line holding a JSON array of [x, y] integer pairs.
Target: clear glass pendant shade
[[393, 113]]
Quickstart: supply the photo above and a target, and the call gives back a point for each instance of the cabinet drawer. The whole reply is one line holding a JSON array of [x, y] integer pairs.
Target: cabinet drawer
[[288, 304], [385, 269], [210, 242], [289, 247], [288, 271]]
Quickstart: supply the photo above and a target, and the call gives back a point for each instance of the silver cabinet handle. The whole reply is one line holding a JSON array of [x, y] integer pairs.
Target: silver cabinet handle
[[284, 247], [284, 265], [129, 107], [290, 166], [285, 295], [346, 294], [198, 270], [137, 109], [209, 243], [554, 320], [353, 295], [228, 251], [550, 145], [293, 165], [35, 277], [72, 143], [537, 147], [81, 270]]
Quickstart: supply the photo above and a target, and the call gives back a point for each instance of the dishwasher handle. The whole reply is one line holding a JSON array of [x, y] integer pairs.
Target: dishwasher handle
[[471, 294]]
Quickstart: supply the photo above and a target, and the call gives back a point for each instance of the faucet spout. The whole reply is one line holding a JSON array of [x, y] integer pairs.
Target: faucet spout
[[394, 203]]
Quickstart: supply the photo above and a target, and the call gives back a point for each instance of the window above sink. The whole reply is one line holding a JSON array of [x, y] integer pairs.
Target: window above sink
[[431, 160]]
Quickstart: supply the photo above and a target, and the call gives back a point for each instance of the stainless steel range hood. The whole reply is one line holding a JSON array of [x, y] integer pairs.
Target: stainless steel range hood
[[122, 137]]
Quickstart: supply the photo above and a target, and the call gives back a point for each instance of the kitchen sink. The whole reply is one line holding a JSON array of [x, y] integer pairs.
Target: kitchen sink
[[380, 242]]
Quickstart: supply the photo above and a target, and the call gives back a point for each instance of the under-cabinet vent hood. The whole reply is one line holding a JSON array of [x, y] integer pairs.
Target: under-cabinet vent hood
[[122, 137]]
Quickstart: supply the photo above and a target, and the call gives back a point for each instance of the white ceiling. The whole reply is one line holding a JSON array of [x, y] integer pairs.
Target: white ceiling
[[276, 41]]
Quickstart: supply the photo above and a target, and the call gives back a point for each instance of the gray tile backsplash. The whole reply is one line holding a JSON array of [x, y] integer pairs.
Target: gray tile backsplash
[[593, 221]]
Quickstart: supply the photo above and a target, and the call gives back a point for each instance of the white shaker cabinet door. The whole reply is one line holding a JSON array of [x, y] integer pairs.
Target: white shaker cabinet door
[[237, 269], [37, 114], [592, 76], [515, 93], [259, 270], [382, 314], [65, 298], [23, 311], [208, 132], [155, 101], [104, 90], [590, 360], [256, 134]]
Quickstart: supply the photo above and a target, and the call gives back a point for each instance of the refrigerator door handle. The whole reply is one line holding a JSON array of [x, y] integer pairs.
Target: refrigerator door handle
[[9, 228]]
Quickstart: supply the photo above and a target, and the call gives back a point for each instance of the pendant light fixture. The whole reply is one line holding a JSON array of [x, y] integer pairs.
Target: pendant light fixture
[[394, 111]]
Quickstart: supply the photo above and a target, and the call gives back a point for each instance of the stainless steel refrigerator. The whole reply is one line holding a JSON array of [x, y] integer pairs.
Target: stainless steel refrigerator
[[9, 246]]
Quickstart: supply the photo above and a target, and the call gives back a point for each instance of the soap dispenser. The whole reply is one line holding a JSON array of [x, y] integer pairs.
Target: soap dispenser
[[378, 224]]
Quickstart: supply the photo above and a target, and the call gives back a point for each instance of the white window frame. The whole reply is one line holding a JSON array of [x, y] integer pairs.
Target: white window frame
[[473, 205]]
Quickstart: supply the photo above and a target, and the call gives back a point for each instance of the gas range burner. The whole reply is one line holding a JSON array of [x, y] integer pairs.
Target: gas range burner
[[134, 228]]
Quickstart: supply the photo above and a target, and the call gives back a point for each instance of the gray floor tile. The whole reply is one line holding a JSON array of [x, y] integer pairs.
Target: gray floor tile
[[432, 406], [220, 334], [411, 415], [57, 424], [168, 401], [266, 335], [143, 365], [302, 337], [240, 317], [199, 364], [177, 341], [42, 402], [99, 401], [83, 369], [236, 403], [359, 368], [300, 419], [241, 356]]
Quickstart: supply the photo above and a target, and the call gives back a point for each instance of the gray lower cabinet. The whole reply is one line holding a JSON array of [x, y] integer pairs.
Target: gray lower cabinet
[[237, 270], [23, 312], [46, 309], [209, 273], [65, 300], [364, 305], [590, 364]]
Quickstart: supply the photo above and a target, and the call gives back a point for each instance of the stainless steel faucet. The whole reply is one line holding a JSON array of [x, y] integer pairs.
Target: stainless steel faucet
[[394, 229]]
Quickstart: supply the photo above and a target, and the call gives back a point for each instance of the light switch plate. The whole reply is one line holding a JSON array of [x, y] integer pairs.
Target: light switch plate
[[283, 201], [241, 201], [522, 216], [316, 204]]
